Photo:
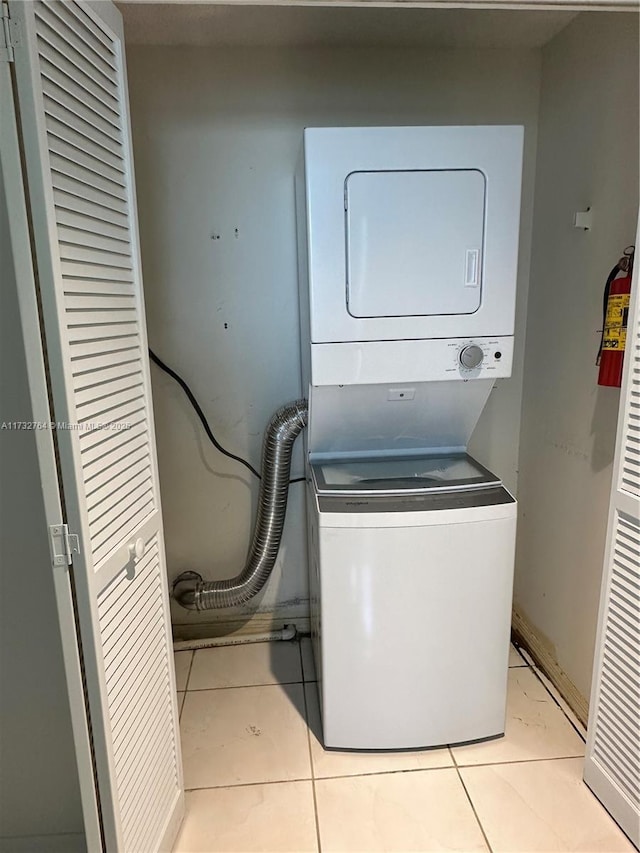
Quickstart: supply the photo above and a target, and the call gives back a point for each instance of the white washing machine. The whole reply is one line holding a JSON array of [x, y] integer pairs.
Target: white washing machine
[[411, 567]]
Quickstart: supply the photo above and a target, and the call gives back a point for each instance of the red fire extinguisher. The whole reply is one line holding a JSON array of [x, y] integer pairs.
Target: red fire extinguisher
[[615, 315]]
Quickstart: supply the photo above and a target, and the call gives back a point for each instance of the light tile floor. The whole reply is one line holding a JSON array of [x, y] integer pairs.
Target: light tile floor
[[258, 779]]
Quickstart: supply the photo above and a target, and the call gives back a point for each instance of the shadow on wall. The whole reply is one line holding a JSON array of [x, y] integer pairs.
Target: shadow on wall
[[603, 426]]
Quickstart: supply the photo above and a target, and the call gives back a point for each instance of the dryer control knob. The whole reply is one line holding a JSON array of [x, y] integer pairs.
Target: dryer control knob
[[471, 356]]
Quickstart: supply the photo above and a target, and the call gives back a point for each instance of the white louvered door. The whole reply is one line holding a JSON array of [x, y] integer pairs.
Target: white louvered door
[[612, 766], [72, 94]]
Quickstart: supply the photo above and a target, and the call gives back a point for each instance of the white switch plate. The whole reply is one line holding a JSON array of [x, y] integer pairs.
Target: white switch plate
[[583, 219]]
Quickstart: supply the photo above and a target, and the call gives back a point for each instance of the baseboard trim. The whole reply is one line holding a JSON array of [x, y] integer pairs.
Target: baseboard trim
[[259, 623], [526, 635]]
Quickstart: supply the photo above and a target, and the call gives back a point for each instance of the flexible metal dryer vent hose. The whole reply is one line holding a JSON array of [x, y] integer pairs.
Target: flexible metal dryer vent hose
[[195, 594]]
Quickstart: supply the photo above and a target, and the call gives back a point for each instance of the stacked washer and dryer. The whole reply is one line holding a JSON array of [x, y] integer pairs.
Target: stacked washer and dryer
[[408, 246]]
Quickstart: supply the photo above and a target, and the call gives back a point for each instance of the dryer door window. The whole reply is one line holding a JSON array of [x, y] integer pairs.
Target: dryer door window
[[414, 242]]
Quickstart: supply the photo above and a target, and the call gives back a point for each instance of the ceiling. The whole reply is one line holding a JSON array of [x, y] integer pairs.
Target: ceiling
[[182, 23]]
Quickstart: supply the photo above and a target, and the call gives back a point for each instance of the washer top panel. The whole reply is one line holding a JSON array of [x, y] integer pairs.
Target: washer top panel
[[474, 499], [401, 475], [414, 242]]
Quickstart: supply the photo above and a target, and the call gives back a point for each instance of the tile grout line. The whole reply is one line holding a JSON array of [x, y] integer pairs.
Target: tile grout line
[[524, 654], [471, 803], [250, 784], [387, 772], [186, 684], [534, 669], [517, 761], [281, 683], [525, 662], [313, 779], [244, 686], [186, 687], [302, 680]]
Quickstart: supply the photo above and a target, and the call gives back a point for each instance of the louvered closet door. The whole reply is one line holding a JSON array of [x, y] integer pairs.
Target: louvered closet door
[[73, 104], [612, 766]]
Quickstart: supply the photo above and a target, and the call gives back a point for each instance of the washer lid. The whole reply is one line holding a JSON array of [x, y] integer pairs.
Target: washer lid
[[393, 475]]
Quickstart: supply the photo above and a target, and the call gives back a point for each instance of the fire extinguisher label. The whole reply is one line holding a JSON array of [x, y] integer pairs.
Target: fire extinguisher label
[[615, 326]]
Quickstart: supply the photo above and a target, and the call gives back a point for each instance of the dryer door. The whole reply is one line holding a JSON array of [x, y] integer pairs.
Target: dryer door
[[414, 242]]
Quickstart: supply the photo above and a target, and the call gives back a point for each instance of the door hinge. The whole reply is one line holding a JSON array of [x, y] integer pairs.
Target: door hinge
[[63, 544], [9, 35]]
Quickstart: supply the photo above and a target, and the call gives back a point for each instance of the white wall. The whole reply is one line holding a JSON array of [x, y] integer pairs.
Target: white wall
[[216, 136], [40, 806], [587, 156]]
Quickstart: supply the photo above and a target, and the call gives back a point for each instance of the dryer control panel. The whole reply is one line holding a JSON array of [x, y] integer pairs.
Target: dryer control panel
[[486, 356], [404, 362]]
